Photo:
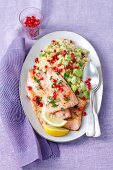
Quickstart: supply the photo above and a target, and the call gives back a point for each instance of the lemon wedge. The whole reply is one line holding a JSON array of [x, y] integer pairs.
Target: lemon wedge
[[55, 131], [53, 120]]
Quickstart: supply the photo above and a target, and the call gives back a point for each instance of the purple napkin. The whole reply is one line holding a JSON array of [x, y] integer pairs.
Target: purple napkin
[[28, 145]]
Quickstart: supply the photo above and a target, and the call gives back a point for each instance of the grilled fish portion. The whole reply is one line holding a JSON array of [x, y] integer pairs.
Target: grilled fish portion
[[75, 122]]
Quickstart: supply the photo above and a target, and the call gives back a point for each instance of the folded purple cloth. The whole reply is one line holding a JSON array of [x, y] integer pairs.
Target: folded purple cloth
[[28, 146]]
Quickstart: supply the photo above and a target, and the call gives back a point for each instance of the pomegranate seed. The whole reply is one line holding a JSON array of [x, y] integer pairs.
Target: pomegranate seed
[[60, 70], [36, 60], [54, 95], [34, 72], [42, 78], [64, 95], [31, 21], [84, 113], [35, 98], [54, 68], [46, 66], [54, 80], [58, 65], [53, 41], [54, 50], [40, 104], [29, 88], [34, 67]]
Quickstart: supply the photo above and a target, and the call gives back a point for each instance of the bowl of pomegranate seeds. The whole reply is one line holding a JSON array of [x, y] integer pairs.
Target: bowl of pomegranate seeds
[[31, 19]]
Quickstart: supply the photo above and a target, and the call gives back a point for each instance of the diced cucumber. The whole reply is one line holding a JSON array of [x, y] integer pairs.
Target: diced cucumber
[[73, 80], [43, 53], [82, 86], [74, 87], [85, 52], [67, 58], [77, 72], [68, 79], [86, 94], [64, 62]]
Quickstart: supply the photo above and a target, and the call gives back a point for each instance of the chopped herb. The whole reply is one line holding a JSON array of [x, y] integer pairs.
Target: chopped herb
[[51, 78], [37, 80], [57, 73], [52, 101], [60, 82], [57, 53], [66, 98], [62, 109], [38, 99], [52, 86], [66, 75]]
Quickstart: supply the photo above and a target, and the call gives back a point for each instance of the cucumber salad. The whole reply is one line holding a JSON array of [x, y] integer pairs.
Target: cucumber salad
[[65, 58]]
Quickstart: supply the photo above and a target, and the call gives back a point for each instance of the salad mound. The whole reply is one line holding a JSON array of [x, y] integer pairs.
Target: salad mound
[[64, 57]]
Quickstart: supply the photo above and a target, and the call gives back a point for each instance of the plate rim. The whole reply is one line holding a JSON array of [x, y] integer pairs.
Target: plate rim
[[33, 46]]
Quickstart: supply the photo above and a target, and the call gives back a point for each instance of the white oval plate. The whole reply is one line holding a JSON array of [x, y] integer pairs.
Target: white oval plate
[[29, 62]]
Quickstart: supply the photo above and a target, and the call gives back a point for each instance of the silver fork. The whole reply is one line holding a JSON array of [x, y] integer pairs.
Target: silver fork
[[94, 109]]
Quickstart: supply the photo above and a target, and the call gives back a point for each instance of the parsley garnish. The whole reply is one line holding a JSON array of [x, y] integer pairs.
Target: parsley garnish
[[51, 78], [66, 75], [37, 80], [57, 53], [39, 99], [67, 99], [60, 82], [52, 101]]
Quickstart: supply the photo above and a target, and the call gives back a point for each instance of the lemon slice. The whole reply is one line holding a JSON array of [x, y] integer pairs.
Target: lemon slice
[[55, 131], [53, 120]]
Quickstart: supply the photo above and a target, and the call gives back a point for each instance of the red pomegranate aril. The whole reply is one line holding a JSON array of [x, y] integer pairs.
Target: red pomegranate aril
[[36, 60], [54, 80], [54, 68], [89, 79], [42, 78], [35, 98], [40, 104], [64, 95], [60, 70], [61, 89], [84, 113], [54, 50], [34, 67], [46, 66], [34, 72], [53, 41], [58, 65], [31, 21], [54, 95], [29, 88]]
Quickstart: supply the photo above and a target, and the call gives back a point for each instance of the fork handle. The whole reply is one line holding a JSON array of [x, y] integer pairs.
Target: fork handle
[[97, 126], [90, 118]]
